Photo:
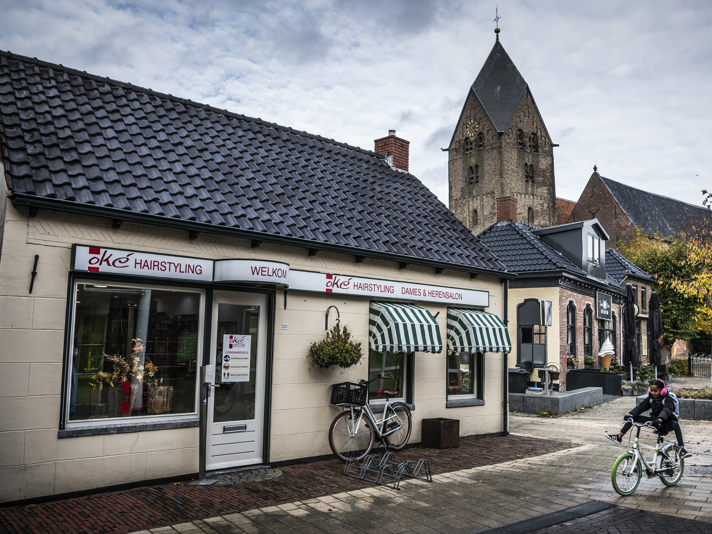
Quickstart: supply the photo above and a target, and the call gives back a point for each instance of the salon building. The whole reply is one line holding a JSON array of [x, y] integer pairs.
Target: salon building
[[567, 298], [151, 244]]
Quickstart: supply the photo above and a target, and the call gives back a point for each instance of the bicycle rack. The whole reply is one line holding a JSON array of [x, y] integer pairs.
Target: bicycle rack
[[386, 471]]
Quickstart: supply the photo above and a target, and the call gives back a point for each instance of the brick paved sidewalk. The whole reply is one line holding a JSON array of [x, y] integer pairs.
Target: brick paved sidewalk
[[150, 507]]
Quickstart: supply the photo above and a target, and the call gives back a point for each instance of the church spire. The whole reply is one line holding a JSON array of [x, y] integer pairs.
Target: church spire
[[496, 21]]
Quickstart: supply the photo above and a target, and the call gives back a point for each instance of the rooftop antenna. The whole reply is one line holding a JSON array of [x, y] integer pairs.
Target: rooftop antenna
[[496, 21]]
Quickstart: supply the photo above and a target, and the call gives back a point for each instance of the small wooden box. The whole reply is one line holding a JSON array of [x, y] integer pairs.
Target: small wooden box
[[440, 433]]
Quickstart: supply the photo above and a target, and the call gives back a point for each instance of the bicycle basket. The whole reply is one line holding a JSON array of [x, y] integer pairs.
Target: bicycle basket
[[349, 393]]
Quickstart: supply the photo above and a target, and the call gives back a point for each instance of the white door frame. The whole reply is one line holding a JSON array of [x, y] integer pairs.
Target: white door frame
[[238, 443]]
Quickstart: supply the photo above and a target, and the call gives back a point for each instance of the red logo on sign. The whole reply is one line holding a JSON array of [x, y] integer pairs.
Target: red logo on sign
[[100, 258]]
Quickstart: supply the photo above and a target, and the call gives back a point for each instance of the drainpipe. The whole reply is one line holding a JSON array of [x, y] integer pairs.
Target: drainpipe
[[505, 367]]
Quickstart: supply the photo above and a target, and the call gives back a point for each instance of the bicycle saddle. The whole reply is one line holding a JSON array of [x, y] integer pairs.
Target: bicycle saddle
[[390, 393]]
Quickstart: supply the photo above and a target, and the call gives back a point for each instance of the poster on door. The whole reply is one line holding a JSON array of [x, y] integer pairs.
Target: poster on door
[[236, 358]]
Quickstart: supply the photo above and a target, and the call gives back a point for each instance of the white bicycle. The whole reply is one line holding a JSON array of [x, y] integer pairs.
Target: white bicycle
[[354, 431], [630, 466]]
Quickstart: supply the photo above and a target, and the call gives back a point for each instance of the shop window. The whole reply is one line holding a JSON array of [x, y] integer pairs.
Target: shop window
[[643, 299], [134, 352], [393, 366], [587, 331], [464, 374], [480, 141], [607, 330], [571, 329]]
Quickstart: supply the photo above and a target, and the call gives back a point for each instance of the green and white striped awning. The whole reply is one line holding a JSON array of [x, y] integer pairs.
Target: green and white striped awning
[[402, 328], [476, 331]]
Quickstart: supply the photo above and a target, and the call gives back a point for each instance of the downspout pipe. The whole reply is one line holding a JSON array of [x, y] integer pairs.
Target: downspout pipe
[[505, 367]]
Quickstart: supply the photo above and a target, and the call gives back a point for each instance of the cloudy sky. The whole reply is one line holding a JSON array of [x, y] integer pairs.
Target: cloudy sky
[[623, 85]]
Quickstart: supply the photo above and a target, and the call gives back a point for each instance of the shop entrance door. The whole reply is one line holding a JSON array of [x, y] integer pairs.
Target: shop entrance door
[[236, 405]]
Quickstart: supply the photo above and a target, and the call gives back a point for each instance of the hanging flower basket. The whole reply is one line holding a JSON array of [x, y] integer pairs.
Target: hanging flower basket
[[337, 348]]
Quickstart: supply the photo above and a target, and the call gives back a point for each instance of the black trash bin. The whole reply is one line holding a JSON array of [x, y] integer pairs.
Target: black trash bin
[[518, 379]]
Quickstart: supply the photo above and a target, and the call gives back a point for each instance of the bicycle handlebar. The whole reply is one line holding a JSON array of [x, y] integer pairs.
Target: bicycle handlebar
[[367, 382], [648, 424]]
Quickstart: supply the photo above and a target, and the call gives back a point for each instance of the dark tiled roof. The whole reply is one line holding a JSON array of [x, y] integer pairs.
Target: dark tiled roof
[[656, 214], [499, 87], [76, 141], [521, 251], [617, 265]]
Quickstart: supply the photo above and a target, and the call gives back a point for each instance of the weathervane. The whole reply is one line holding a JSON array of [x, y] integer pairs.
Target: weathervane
[[496, 21]]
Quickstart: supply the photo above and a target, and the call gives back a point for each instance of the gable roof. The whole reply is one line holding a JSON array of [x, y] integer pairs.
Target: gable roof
[[618, 267], [657, 214], [499, 87], [81, 143], [521, 251]]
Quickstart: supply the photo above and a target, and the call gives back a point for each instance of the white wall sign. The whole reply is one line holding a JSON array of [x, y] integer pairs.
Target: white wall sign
[[368, 287], [236, 358], [109, 260], [255, 271]]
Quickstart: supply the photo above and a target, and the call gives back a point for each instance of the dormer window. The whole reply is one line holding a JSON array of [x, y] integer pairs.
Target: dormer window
[[594, 248], [468, 145], [520, 140], [480, 141]]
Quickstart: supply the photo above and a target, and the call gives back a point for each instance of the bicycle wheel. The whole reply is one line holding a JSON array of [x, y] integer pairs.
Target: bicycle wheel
[[626, 474], [348, 441], [401, 416], [676, 466]]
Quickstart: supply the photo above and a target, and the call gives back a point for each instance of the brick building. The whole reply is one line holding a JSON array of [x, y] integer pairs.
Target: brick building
[[501, 148], [621, 209], [566, 298]]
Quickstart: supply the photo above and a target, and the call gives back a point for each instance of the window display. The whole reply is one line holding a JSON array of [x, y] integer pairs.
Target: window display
[[461, 373], [134, 352], [388, 364]]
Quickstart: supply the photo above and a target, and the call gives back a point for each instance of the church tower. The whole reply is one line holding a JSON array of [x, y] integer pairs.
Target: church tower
[[501, 152]]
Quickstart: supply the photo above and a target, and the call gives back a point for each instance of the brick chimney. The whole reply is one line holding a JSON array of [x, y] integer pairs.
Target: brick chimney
[[506, 209], [394, 147]]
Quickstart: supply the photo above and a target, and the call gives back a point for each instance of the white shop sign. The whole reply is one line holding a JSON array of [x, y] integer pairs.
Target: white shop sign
[[109, 260], [256, 271], [368, 287], [236, 358]]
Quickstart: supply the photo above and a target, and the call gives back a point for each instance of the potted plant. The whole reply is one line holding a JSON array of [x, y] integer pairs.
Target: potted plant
[[571, 361], [337, 348], [589, 362], [123, 380]]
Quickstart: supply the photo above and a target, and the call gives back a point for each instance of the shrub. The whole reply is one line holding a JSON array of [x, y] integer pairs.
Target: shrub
[[336, 349], [646, 372], [679, 366], [692, 393]]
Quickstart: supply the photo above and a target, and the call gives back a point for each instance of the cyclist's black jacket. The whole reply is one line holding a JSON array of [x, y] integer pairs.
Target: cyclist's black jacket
[[658, 407]]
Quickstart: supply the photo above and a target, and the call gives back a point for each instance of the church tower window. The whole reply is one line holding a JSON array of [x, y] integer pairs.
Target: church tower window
[[474, 218], [530, 215], [533, 143], [480, 141], [477, 174], [470, 175], [520, 140], [468, 145]]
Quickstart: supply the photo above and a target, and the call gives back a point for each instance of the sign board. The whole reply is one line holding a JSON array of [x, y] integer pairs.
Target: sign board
[[114, 261], [604, 306], [236, 358], [252, 271], [369, 287]]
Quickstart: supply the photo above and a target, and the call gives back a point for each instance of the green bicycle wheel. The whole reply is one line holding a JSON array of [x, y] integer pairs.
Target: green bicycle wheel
[[675, 464], [626, 474]]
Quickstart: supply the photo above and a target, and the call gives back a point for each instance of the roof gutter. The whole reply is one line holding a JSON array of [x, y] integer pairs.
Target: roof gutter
[[140, 218]]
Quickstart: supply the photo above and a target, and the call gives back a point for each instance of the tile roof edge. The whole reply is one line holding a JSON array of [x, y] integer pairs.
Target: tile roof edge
[[626, 262], [604, 180], [560, 261], [31, 200], [185, 101]]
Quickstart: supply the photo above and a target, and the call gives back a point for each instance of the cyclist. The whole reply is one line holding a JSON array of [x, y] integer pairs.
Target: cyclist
[[662, 409]]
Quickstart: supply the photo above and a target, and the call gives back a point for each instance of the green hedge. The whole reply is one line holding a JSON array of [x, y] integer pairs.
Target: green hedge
[[679, 366]]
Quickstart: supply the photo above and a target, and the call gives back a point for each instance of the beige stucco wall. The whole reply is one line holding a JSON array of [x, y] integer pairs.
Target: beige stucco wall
[[518, 296], [34, 462]]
